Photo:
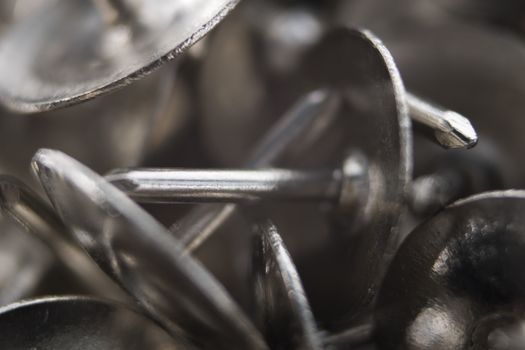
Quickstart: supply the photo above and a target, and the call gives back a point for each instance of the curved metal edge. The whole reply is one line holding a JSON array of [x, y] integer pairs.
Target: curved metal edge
[[95, 301], [277, 259], [400, 94], [513, 193], [46, 160], [433, 246], [68, 298], [18, 106], [405, 130]]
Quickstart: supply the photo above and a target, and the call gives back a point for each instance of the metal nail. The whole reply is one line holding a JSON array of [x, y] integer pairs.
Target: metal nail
[[141, 255]]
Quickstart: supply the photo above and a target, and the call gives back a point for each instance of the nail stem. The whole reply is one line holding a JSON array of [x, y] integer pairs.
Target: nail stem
[[452, 130], [232, 186]]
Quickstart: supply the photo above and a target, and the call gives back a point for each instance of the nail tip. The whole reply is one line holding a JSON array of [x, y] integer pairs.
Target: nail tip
[[462, 133]]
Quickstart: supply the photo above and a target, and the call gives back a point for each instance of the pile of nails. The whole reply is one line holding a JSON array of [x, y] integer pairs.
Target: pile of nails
[[262, 174]]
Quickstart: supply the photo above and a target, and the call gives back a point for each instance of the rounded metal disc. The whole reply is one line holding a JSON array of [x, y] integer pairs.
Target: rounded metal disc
[[374, 123], [66, 53], [282, 309], [62, 323], [143, 256], [455, 273]]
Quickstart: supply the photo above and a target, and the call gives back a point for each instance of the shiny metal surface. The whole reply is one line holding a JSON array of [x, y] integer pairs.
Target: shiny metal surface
[[380, 209], [456, 281], [295, 134], [80, 323], [307, 120], [233, 186], [464, 66], [489, 90], [166, 186], [143, 257], [346, 188], [259, 91], [467, 67], [282, 306], [68, 51], [453, 178], [373, 223], [375, 100], [452, 130], [27, 209], [305, 137]]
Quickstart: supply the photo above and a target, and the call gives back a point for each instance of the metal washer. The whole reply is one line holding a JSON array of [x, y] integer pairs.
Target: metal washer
[[453, 273], [374, 122], [67, 53]]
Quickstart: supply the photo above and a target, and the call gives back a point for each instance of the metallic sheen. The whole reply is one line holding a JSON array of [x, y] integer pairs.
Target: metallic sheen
[[188, 185], [80, 323], [67, 52], [140, 254], [452, 130], [282, 306], [34, 215], [457, 281], [306, 121]]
